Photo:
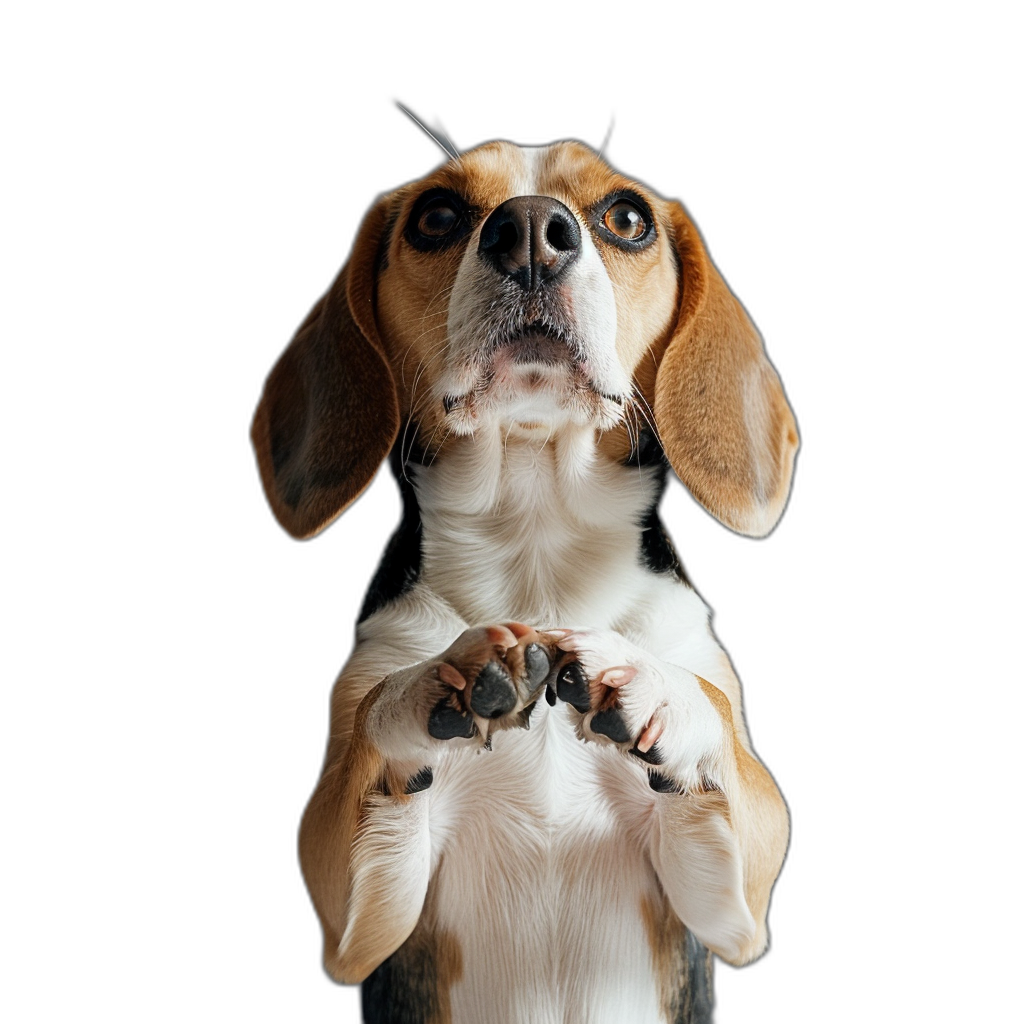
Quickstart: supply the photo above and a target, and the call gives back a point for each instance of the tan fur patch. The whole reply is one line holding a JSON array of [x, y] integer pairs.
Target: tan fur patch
[[754, 808], [727, 428], [329, 826]]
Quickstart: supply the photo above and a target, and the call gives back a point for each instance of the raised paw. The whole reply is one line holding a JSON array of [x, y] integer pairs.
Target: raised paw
[[656, 713], [492, 676]]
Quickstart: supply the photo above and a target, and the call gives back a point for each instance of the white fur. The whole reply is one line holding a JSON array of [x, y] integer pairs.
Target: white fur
[[516, 526], [541, 880], [543, 847], [390, 873]]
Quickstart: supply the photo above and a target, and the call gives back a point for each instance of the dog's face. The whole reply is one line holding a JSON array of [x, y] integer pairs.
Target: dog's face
[[526, 289], [524, 286]]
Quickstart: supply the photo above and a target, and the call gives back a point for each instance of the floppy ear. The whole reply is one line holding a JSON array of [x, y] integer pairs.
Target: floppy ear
[[329, 412], [723, 417]]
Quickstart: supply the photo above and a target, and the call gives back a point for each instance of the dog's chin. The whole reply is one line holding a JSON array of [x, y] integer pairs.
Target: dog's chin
[[540, 372], [521, 392], [535, 378]]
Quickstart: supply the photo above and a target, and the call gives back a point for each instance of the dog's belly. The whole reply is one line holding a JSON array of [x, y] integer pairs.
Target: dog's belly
[[543, 880]]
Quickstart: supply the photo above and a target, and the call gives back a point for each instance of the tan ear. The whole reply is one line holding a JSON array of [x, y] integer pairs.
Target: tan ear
[[723, 417], [329, 412]]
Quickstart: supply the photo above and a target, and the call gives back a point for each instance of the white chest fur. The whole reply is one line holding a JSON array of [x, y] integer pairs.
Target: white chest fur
[[547, 533], [542, 879]]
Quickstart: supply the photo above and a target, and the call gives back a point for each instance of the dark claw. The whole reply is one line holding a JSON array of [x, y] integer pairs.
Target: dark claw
[[420, 781], [537, 664], [524, 716], [447, 723], [611, 724], [574, 687], [493, 693], [662, 783], [653, 756]]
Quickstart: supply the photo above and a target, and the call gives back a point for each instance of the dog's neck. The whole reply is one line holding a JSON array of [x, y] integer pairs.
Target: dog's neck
[[526, 523]]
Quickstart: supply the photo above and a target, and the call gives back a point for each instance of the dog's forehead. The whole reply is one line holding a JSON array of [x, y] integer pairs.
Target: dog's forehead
[[496, 171]]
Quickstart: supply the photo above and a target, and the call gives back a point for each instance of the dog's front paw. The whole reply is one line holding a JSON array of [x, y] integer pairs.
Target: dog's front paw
[[490, 679], [657, 713]]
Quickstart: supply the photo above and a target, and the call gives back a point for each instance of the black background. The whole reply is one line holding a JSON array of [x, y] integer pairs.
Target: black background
[[773, 183]]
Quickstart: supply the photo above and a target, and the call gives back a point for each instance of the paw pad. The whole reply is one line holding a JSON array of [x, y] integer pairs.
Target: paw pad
[[610, 723], [573, 687], [493, 693], [537, 664], [448, 723]]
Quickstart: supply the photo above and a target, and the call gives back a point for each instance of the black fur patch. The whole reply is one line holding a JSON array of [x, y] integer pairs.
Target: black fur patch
[[422, 780], [403, 990], [656, 548], [662, 783], [697, 1002], [399, 567], [658, 551], [647, 451]]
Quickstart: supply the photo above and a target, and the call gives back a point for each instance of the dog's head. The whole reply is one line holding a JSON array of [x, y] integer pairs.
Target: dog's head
[[527, 288]]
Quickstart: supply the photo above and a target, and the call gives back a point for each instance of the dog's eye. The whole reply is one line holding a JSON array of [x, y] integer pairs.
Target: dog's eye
[[437, 219], [624, 220]]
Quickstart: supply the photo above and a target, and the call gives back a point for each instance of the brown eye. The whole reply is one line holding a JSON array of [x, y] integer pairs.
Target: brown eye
[[625, 220], [437, 220]]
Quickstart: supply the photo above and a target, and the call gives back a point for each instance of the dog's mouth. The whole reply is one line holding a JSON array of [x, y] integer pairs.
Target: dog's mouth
[[537, 343], [530, 369]]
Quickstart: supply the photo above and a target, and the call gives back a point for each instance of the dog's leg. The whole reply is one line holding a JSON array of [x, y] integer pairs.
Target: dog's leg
[[365, 841], [719, 827]]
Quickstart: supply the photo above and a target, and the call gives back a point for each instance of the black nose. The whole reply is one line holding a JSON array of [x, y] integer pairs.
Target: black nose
[[530, 239]]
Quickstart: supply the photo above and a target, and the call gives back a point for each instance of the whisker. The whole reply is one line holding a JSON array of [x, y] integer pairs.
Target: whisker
[[629, 430], [447, 147], [607, 138], [447, 138], [634, 432], [441, 445], [432, 350], [402, 453], [644, 408]]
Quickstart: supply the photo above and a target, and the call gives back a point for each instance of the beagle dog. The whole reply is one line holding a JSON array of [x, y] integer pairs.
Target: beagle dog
[[539, 801]]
